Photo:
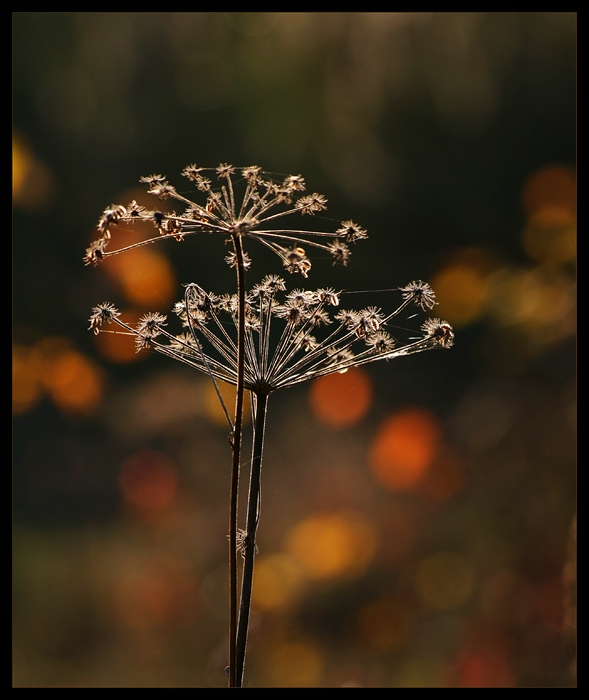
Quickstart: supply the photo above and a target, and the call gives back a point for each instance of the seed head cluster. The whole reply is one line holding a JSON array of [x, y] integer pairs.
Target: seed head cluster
[[246, 202], [290, 337]]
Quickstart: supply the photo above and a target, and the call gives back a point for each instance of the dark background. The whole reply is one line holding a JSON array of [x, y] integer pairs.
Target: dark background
[[452, 139]]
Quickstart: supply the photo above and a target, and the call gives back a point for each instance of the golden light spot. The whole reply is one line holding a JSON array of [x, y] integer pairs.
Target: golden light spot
[[32, 184], [27, 388], [506, 300], [296, 665], [20, 166], [553, 296], [445, 580], [116, 346], [52, 366], [460, 293], [553, 216], [277, 582], [213, 408], [145, 277], [539, 300], [554, 185], [331, 544], [549, 197], [74, 383], [551, 236], [404, 448], [383, 624], [340, 400], [149, 481]]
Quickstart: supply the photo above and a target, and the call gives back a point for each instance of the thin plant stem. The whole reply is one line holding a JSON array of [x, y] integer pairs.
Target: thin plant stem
[[253, 516], [236, 445]]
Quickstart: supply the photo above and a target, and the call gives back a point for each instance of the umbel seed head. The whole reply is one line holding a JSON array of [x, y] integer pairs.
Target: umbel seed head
[[246, 203], [313, 339]]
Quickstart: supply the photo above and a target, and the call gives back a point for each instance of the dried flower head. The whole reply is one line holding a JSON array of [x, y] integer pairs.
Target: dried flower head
[[254, 214], [103, 313], [420, 293], [350, 337], [150, 326], [439, 331]]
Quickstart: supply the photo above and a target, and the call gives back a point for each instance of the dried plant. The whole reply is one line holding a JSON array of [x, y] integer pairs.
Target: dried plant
[[263, 340], [263, 204], [351, 338]]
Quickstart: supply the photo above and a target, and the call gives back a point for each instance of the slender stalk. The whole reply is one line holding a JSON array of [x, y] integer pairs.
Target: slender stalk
[[253, 516], [236, 445]]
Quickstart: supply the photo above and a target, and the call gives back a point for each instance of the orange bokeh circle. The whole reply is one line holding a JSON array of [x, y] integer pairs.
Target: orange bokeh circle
[[340, 400], [404, 448]]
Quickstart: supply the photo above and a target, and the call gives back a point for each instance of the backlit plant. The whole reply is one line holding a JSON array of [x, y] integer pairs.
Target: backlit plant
[[263, 339]]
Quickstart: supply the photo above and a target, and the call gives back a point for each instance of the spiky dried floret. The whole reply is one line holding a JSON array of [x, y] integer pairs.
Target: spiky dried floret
[[311, 203], [340, 252], [328, 296], [420, 293], [224, 170], [351, 232], [381, 341], [439, 331], [103, 313], [95, 252], [150, 325]]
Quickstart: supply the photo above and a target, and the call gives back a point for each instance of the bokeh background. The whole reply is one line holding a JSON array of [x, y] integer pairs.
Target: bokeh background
[[417, 522]]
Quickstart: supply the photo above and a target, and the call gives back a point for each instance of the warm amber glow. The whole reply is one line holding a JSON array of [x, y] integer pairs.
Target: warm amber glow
[[549, 197], [541, 300], [149, 481], [555, 185], [340, 400], [213, 408], [551, 236], [332, 544], [26, 379], [115, 345], [20, 166], [53, 367], [32, 184], [74, 383], [145, 276], [277, 581], [296, 665], [404, 448], [460, 292]]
